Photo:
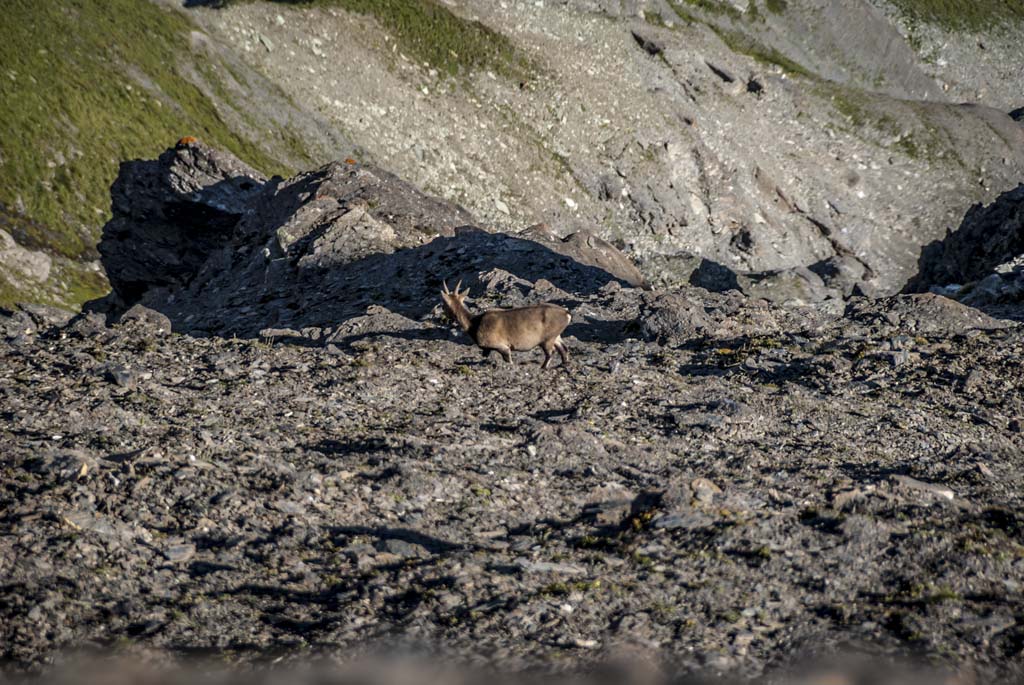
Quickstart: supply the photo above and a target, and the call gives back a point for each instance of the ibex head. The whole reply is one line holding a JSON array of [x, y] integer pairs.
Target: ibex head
[[453, 297], [454, 303]]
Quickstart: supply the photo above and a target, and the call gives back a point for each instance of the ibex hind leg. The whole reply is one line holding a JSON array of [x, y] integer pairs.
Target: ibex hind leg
[[563, 351], [549, 348]]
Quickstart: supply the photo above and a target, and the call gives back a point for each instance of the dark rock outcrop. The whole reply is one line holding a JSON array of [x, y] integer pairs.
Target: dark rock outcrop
[[926, 314], [988, 237], [169, 214]]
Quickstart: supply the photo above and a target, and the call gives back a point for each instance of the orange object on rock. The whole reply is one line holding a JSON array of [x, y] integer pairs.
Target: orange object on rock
[[187, 140], [349, 160]]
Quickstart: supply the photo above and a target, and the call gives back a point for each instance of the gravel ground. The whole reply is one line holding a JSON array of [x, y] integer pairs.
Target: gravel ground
[[720, 504]]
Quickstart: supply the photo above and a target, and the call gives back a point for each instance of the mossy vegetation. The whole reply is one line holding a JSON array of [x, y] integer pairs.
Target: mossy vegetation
[[84, 85], [433, 34], [913, 131], [739, 41], [683, 11], [971, 15], [88, 83], [711, 6], [71, 281]]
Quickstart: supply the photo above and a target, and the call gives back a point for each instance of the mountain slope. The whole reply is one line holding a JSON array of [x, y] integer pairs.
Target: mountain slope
[[88, 84], [682, 131], [790, 142]]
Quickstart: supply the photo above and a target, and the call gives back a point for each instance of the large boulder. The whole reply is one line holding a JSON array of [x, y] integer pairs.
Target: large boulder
[[927, 314]]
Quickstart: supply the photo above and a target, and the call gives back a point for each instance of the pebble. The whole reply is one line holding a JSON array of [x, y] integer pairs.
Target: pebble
[[688, 521], [549, 567], [180, 553], [704, 490]]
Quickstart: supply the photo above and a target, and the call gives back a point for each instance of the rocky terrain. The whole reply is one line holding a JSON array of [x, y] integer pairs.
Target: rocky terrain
[[268, 445], [787, 447]]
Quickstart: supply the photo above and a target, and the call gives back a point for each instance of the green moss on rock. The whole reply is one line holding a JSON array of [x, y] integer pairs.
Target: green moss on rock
[[971, 15]]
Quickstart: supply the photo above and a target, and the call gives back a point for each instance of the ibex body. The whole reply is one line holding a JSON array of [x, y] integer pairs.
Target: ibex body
[[508, 330]]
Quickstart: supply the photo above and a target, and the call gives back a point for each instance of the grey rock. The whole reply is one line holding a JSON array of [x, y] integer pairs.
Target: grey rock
[[179, 553], [920, 315], [841, 273], [673, 316], [798, 285], [650, 45], [70, 465], [693, 520], [704, 490], [988, 237], [402, 548], [120, 375], [549, 567], [46, 316], [170, 214], [151, 320], [31, 265]]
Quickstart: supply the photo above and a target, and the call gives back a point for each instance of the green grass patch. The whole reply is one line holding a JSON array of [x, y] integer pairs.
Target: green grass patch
[[709, 6], [920, 138], [776, 6], [84, 85], [70, 111], [973, 15], [9, 295], [84, 285], [683, 12], [28, 232], [738, 41], [431, 33], [654, 18]]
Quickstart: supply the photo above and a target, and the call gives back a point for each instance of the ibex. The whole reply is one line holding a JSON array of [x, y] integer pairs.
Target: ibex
[[505, 330]]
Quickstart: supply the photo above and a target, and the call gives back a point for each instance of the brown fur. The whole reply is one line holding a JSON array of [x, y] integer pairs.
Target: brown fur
[[508, 330]]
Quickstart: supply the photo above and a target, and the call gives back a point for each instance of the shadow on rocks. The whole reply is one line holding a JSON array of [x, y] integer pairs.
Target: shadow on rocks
[[332, 255]]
